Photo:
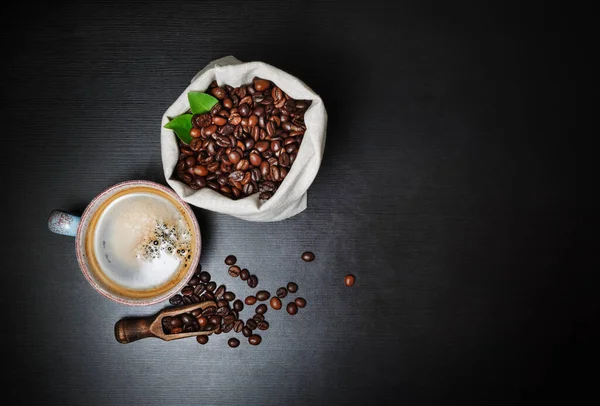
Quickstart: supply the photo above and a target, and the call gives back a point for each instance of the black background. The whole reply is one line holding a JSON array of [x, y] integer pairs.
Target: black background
[[451, 187]]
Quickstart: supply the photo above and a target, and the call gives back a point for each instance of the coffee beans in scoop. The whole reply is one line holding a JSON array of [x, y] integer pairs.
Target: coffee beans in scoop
[[246, 144]]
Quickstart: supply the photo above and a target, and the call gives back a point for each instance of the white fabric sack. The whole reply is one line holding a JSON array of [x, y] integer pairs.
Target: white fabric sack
[[290, 198]]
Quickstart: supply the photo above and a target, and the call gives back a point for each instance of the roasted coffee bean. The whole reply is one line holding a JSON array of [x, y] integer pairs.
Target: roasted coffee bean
[[214, 320], [251, 324], [261, 309], [222, 303], [244, 274], [220, 291], [238, 305], [190, 161], [229, 296], [262, 295], [308, 256], [234, 157], [233, 342], [223, 311], [202, 339], [176, 322], [261, 84], [195, 298], [300, 302], [229, 319], [275, 303], [262, 325], [201, 120], [238, 326], [265, 195], [250, 300], [253, 279], [275, 146], [218, 329], [202, 321], [209, 311], [226, 328], [255, 159], [234, 313], [199, 289], [254, 339], [209, 295], [274, 173], [195, 133], [292, 287], [292, 308], [196, 312], [218, 92], [268, 186], [211, 286], [188, 290], [187, 318], [194, 280], [234, 271], [176, 300], [284, 159], [349, 280], [176, 330], [258, 317], [217, 120], [244, 109], [205, 277], [246, 331], [187, 300]]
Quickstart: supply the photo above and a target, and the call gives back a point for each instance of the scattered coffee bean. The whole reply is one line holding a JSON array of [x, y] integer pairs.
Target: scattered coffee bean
[[230, 259], [308, 256], [229, 296], [250, 300], [202, 339], [238, 305], [349, 280], [222, 303], [258, 317], [226, 328], [275, 303], [219, 292], [199, 289], [238, 326], [281, 293], [262, 295], [252, 281], [204, 277], [176, 300], [194, 280], [262, 325], [244, 274], [234, 271], [223, 311], [211, 286], [300, 302], [254, 339], [292, 308], [251, 324], [246, 331], [187, 300], [292, 287], [261, 309], [233, 342]]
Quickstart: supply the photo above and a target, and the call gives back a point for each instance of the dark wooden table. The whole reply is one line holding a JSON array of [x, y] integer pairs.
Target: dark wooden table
[[449, 187]]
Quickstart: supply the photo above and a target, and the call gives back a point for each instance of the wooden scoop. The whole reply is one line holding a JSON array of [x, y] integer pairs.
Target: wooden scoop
[[131, 329]]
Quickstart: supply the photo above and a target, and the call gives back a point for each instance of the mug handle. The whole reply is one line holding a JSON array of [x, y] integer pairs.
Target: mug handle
[[61, 222]]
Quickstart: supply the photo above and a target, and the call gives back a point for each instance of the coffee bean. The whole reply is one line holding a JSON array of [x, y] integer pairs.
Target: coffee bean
[[292, 287], [188, 290], [234, 313], [233, 342], [265, 195], [218, 329], [281, 293], [234, 271], [251, 324], [223, 311], [187, 318], [176, 300], [244, 109], [194, 280], [254, 339], [292, 308], [252, 280], [205, 277], [246, 331], [230, 259], [308, 256], [202, 339], [238, 305], [199, 289], [258, 317], [226, 328], [219, 292], [208, 295], [229, 296], [261, 309], [222, 303], [214, 319], [349, 280], [300, 302], [209, 311], [275, 303], [176, 322], [211, 286], [176, 330], [262, 325], [238, 325], [187, 300], [202, 321], [195, 298], [255, 159], [262, 295], [229, 319], [218, 92], [201, 120], [217, 120], [250, 300]]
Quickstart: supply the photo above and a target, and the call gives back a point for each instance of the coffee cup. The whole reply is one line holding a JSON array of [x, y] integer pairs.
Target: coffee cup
[[137, 242]]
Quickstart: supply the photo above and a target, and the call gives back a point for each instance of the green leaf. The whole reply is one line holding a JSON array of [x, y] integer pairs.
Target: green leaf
[[201, 103], [182, 126]]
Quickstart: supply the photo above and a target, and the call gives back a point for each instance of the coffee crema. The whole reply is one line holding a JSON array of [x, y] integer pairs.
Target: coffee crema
[[139, 243]]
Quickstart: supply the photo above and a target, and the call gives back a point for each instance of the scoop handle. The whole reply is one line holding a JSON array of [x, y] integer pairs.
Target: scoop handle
[[61, 222], [131, 329]]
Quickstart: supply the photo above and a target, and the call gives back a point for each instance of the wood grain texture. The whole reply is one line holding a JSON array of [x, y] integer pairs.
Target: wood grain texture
[[448, 188]]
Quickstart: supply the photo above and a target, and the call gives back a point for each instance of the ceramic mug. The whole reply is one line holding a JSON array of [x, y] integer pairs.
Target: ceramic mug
[[137, 242]]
